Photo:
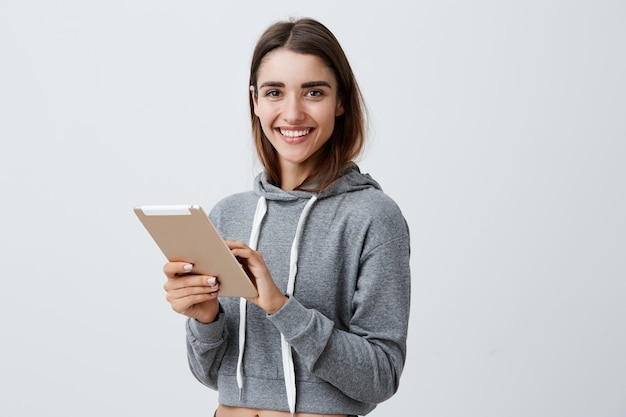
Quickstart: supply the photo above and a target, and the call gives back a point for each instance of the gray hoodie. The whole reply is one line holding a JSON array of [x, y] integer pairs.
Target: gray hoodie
[[344, 328]]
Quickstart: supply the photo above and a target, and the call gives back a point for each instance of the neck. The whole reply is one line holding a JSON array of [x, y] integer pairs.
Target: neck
[[292, 176], [290, 182]]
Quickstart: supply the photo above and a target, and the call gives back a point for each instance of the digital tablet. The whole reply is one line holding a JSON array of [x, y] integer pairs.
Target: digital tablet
[[185, 234]]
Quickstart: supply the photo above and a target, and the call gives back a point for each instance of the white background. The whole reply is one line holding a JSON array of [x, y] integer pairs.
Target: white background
[[499, 127]]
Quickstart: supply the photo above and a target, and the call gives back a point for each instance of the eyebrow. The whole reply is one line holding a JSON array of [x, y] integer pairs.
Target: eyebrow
[[303, 85], [316, 84]]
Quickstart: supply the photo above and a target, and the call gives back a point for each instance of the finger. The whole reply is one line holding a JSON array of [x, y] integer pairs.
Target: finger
[[235, 244], [183, 293], [241, 253], [184, 305], [244, 251], [172, 269], [188, 281]]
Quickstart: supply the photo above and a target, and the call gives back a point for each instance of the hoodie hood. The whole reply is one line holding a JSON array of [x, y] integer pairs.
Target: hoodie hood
[[351, 179]]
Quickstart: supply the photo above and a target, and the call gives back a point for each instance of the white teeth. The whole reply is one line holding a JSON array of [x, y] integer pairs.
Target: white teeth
[[294, 133]]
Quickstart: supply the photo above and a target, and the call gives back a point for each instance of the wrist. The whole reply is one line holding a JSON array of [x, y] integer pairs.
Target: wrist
[[280, 302], [209, 317]]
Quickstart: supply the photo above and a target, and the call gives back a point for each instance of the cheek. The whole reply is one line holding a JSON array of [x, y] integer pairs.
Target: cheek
[[266, 124], [265, 113], [329, 120]]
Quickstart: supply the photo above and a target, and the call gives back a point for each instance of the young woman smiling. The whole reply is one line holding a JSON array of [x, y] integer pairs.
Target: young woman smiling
[[328, 251], [295, 99]]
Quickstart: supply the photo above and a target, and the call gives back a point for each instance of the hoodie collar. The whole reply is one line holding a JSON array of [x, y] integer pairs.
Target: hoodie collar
[[351, 179]]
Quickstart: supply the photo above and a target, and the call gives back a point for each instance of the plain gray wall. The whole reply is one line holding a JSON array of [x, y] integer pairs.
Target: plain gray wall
[[499, 127]]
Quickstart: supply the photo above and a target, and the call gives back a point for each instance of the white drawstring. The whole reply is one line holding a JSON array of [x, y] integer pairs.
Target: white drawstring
[[288, 367], [259, 214]]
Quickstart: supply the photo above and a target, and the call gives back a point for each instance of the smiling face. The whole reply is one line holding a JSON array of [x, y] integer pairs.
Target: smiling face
[[296, 101]]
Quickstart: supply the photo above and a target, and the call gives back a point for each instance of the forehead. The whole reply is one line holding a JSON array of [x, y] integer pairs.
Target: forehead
[[292, 67]]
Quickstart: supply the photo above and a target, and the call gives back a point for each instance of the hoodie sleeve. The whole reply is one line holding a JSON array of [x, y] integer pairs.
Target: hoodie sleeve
[[206, 344], [365, 361]]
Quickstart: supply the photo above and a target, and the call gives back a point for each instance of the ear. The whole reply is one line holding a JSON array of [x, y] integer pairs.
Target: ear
[[255, 98], [340, 110]]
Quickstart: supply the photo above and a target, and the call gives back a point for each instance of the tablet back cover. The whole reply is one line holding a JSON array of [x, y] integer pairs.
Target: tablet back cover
[[186, 234]]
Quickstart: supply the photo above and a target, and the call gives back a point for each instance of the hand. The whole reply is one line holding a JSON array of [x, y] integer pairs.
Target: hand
[[192, 295], [270, 298]]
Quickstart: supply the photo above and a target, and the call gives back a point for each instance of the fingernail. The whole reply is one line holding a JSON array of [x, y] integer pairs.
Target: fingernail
[[188, 267], [211, 280]]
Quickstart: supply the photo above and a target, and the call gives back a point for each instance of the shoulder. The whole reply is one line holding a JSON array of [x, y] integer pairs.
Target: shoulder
[[233, 209], [375, 205], [370, 214], [363, 198], [234, 201]]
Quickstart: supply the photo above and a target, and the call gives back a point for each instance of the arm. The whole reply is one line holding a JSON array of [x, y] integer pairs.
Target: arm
[[365, 362], [206, 344], [195, 296]]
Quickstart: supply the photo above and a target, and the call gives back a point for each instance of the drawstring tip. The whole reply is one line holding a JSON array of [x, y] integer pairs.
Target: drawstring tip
[[240, 394]]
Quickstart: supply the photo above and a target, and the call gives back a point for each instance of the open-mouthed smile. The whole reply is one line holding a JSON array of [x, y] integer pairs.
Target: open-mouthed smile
[[294, 133]]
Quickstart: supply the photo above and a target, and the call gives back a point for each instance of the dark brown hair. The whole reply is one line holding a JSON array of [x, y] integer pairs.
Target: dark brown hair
[[308, 36]]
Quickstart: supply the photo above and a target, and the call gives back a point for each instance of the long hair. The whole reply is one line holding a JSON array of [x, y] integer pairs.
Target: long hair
[[308, 36]]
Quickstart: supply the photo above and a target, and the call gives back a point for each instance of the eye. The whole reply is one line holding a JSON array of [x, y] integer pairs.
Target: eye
[[315, 93], [272, 93]]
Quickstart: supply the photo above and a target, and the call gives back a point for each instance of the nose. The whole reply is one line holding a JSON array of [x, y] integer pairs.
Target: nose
[[293, 110]]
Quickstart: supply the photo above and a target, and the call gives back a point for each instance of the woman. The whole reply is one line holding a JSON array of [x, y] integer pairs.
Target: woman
[[328, 251]]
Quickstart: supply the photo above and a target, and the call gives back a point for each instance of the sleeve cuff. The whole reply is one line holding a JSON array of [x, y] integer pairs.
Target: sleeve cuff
[[208, 333], [292, 319]]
